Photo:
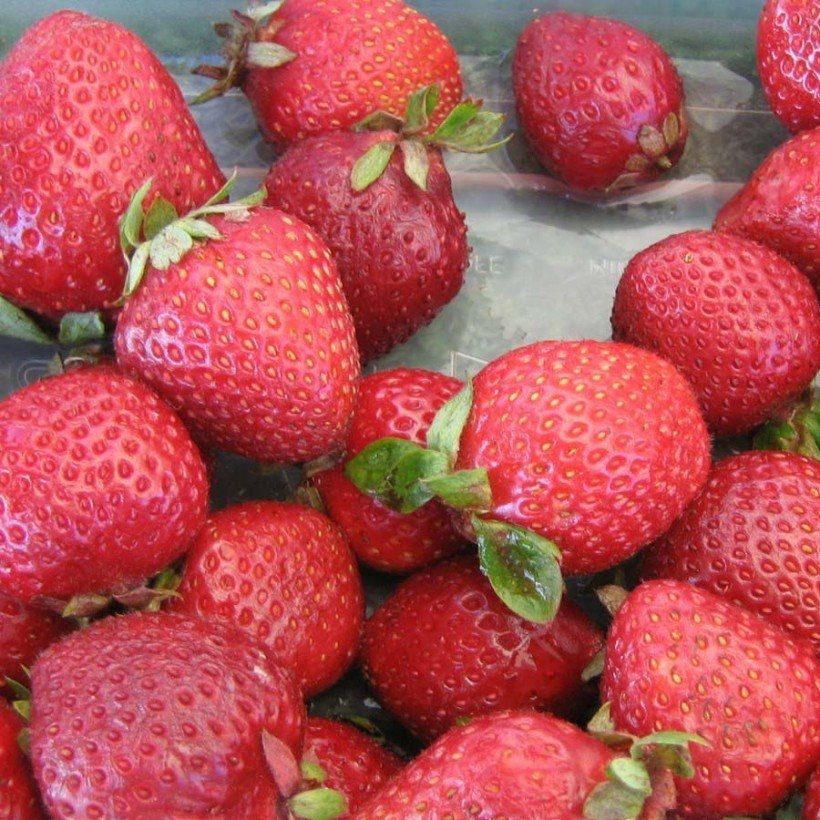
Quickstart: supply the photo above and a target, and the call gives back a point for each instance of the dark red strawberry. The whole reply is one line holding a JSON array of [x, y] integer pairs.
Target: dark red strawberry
[[599, 101], [349, 761], [741, 323], [751, 537], [780, 205], [402, 403], [101, 486], [313, 66], [247, 333], [683, 659], [444, 646], [161, 715], [788, 61], [18, 794], [284, 574], [87, 114], [811, 800], [25, 631]]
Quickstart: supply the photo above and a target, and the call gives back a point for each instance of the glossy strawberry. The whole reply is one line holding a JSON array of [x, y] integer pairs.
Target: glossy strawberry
[[247, 334], [443, 646], [399, 402], [788, 61], [101, 486], [284, 574], [159, 714], [25, 631], [87, 114], [683, 659], [314, 66], [751, 537], [352, 762], [780, 205], [811, 800], [741, 323], [599, 101]]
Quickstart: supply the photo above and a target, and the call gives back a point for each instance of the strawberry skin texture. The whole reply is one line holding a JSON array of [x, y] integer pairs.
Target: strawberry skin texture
[[87, 114], [683, 659], [788, 61], [811, 800], [401, 403], [354, 57], [355, 763], [584, 87], [101, 485], [598, 446], [752, 537], [157, 713], [780, 205], [507, 764], [249, 337], [401, 251], [18, 794], [738, 321], [284, 574], [444, 646]]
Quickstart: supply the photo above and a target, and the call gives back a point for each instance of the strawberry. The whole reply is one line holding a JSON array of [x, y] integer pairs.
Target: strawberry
[[788, 61], [348, 760], [780, 205], [599, 101], [25, 631], [741, 323], [751, 537], [284, 574], [87, 113], [101, 486], [685, 659], [393, 228], [811, 801], [241, 324], [443, 647], [587, 448], [18, 793], [402, 403], [313, 66], [153, 714]]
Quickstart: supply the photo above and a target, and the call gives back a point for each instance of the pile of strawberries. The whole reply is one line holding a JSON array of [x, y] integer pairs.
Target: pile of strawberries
[[157, 656]]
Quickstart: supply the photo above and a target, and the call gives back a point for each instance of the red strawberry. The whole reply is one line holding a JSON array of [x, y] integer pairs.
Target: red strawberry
[[811, 801], [87, 113], [443, 646], [247, 334], [100, 485], [741, 323], [402, 403], [18, 794], [788, 61], [352, 762], [780, 205], [313, 66], [284, 574], [599, 101], [680, 658], [751, 536], [25, 632], [161, 715]]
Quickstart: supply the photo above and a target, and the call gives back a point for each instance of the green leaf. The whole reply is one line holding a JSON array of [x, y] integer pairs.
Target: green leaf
[[222, 194], [259, 12], [169, 246], [318, 804], [23, 708], [463, 490], [371, 165], [131, 221], [79, 328], [85, 605], [475, 137], [312, 771], [416, 162], [253, 199], [463, 113], [199, 229], [420, 107], [603, 727], [445, 432], [18, 324], [613, 801], [669, 749], [24, 741], [160, 214], [594, 669], [380, 121], [522, 567], [632, 773], [797, 432], [267, 55], [19, 691], [136, 269], [793, 810]]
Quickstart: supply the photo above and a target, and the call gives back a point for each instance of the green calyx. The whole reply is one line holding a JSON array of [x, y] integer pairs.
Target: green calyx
[[160, 236], [796, 430], [466, 128], [318, 804], [75, 328], [522, 566], [246, 46]]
